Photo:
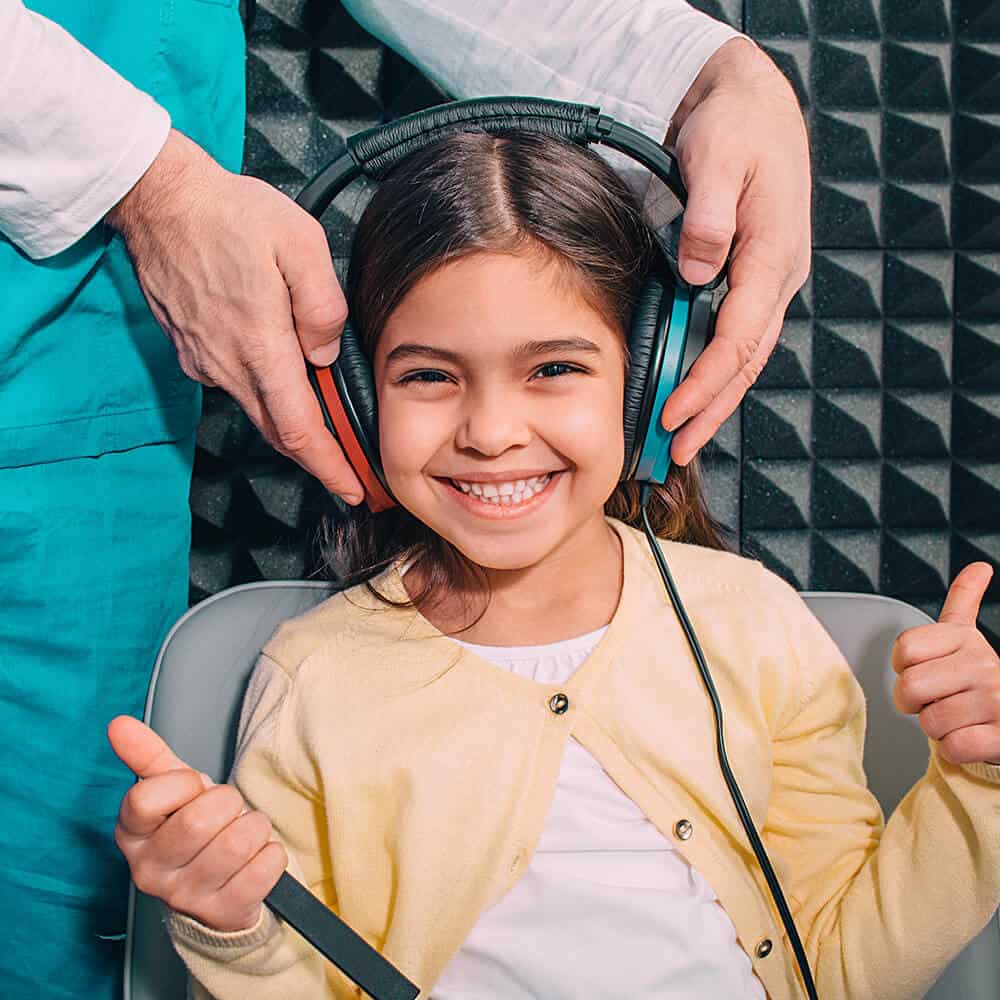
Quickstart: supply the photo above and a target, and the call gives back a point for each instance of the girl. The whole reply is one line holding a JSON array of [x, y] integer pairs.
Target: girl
[[495, 758]]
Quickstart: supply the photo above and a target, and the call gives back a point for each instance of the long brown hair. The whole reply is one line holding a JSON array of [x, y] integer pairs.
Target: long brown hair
[[517, 192]]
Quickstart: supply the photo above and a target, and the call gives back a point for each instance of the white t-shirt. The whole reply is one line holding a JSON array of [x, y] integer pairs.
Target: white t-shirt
[[607, 908], [75, 136]]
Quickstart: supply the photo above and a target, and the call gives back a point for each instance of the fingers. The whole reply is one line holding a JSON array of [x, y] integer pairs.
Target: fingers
[[919, 686], [967, 708], [186, 830], [709, 220], [746, 331], [319, 308], [210, 859], [730, 140], [241, 280], [232, 847], [961, 606], [949, 675], [236, 905], [701, 428], [146, 805], [954, 708], [140, 749], [924, 643], [972, 744], [283, 405]]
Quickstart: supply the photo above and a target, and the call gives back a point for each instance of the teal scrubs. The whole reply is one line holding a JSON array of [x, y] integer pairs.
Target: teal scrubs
[[97, 427]]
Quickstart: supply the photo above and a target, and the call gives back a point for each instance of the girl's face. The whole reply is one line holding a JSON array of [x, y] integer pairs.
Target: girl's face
[[500, 408]]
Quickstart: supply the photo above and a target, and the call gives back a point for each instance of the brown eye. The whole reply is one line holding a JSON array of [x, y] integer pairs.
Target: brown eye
[[555, 368], [427, 376]]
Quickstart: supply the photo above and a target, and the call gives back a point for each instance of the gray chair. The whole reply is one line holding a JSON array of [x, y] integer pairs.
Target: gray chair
[[202, 670]]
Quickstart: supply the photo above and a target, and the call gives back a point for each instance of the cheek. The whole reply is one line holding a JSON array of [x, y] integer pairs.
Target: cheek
[[407, 440], [591, 433]]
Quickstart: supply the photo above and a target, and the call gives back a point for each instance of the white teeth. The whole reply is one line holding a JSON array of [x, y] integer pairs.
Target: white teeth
[[505, 494]]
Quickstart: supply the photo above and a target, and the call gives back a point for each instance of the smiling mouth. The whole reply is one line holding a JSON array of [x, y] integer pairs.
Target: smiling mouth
[[508, 494]]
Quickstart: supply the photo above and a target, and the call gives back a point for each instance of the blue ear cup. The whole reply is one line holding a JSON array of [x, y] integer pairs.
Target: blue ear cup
[[653, 460], [671, 324], [657, 339]]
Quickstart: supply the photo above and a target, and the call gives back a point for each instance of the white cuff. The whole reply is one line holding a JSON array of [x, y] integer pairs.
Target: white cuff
[[74, 135]]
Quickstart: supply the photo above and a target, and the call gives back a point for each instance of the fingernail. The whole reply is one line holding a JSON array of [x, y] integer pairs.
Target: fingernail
[[670, 423], [353, 498], [206, 780], [326, 354], [697, 272]]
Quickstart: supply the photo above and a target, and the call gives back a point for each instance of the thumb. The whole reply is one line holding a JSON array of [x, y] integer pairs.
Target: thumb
[[319, 308], [961, 606], [140, 749], [709, 222]]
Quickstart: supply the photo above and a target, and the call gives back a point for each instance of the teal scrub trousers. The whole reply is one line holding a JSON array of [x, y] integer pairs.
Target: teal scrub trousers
[[97, 426]]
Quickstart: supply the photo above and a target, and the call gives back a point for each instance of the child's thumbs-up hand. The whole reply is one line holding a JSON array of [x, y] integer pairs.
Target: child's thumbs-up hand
[[188, 841], [950, 675]]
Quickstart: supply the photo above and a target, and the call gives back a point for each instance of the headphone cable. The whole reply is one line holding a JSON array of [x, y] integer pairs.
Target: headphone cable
[[734, 789]]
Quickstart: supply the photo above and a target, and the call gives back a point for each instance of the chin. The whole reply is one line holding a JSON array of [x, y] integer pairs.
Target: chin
[[510, 553]]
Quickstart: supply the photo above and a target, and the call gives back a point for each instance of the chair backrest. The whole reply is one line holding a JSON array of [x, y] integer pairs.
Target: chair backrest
[[202, 670]]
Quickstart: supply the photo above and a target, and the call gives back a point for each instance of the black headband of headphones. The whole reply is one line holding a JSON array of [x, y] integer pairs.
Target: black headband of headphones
[[375, 152]]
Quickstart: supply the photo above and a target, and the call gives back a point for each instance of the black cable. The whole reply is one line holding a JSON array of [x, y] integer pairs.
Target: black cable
[[734, 789]]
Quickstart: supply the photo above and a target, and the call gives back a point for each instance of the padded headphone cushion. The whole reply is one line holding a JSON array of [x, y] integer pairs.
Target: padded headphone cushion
[[642, 338], [356, 373]]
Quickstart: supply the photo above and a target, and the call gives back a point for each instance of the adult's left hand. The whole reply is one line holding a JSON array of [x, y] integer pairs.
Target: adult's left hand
[[743, 151]]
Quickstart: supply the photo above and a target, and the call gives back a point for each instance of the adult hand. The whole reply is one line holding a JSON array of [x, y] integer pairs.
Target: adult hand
[[190, 842], [950, 675], [743, 152], [241, 280]]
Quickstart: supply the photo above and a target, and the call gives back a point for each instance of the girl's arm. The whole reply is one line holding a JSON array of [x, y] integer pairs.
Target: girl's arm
[[267, 960], [881, 911]]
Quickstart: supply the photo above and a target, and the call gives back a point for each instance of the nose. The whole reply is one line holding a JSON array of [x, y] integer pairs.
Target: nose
[[492, 421]]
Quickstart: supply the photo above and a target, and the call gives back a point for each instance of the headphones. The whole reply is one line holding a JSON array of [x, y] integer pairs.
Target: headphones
[[670, 325]]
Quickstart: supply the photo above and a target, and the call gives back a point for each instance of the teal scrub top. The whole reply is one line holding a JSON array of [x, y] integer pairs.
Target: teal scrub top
[[97, 426]]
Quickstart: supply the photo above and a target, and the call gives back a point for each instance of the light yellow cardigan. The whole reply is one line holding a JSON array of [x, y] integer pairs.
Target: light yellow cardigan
[[410, 781]]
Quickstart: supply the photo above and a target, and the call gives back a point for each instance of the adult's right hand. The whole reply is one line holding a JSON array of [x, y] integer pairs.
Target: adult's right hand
[[241, 280]]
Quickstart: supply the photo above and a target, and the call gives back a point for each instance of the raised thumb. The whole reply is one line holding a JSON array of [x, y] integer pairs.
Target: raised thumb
[[140, 749], [961, 606]]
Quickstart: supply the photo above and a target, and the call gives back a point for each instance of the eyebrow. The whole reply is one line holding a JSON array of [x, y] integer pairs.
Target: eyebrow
[[528, 349]]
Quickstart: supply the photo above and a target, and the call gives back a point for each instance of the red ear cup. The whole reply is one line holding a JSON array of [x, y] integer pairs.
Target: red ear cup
[[338, 421]]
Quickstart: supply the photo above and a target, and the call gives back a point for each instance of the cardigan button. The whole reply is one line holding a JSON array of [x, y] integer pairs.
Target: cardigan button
[[763, 948], [558, 703], [683, 829]]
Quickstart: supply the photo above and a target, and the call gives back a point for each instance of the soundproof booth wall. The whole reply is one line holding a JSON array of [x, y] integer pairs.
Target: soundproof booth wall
[[867, 457]]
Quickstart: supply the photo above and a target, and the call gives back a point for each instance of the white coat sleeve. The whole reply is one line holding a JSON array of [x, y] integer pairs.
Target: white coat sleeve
[[74, 135], [636, 60]]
